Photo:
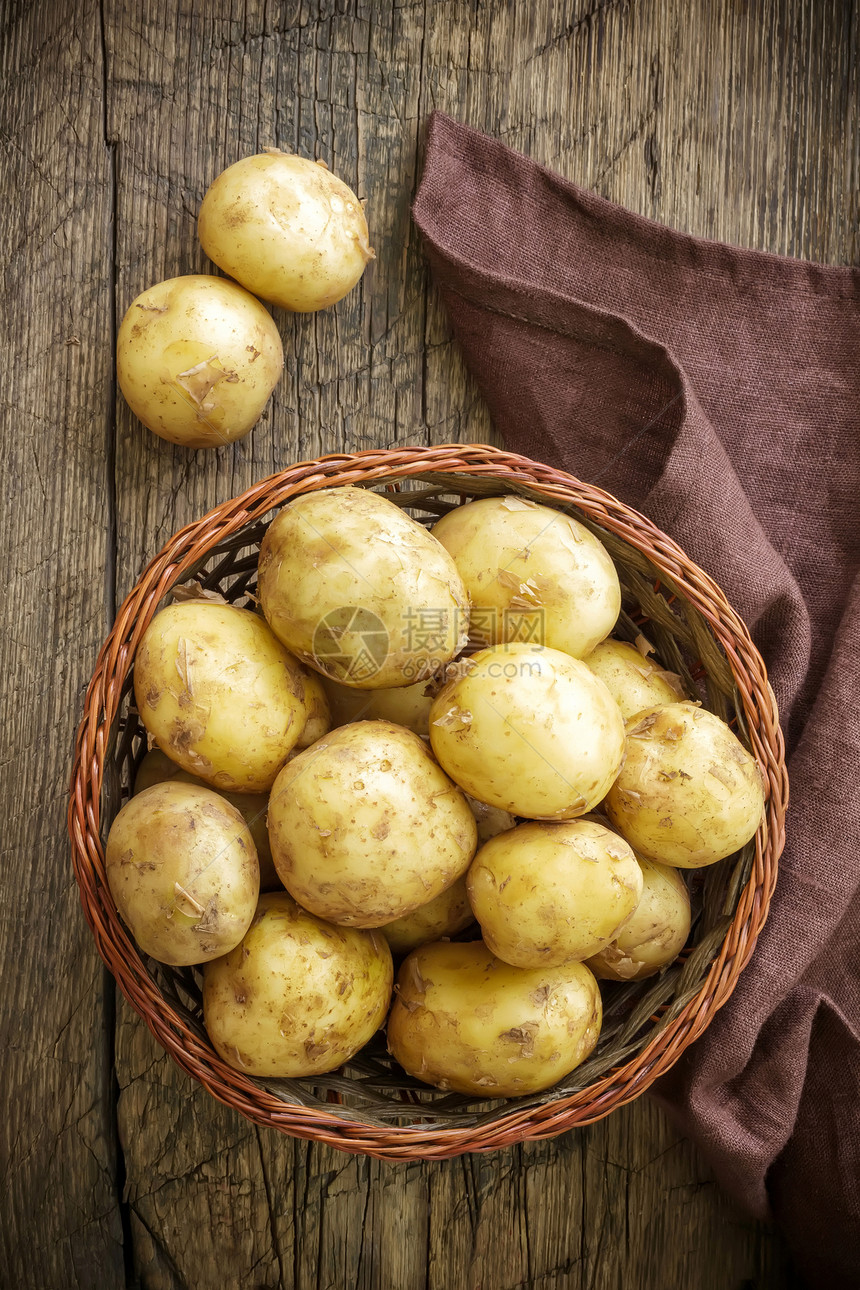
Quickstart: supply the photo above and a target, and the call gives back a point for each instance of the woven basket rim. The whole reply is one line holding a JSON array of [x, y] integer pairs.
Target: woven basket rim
[[177, 559]]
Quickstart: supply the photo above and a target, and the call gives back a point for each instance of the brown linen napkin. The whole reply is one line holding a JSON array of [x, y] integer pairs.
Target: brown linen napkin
[[718, 390]]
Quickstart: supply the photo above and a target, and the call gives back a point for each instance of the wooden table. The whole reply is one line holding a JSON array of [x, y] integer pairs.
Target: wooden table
[[733, 121]]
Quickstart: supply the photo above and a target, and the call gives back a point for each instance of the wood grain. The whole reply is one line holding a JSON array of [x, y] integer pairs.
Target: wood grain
[[730, 121]]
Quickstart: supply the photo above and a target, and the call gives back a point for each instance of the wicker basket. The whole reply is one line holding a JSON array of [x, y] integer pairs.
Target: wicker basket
[[371, 1106]]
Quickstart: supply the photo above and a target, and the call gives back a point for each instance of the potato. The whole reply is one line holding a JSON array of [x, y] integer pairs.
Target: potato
[[197, 359], [634, 681], [219, 694], [405, 705], [318, 721], [656, 932], [183, 872], [533, 575], [297, 997], [464, 1020], [689, 793], [547, 894], [445, 915], [365, 827], [359, 591], [157, 768], [530, 730], [287, 229]]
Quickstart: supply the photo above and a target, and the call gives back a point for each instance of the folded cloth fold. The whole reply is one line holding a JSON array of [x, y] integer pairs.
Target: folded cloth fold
[[718, 390]]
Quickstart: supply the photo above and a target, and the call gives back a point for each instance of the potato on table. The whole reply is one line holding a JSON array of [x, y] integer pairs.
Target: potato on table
[[287, 229], [533, 574], [529, 730], [182, 869], [359, 591], [197, 359], [297, 997], [463, 1020], [689, 793], [365, 826], [219, 694]]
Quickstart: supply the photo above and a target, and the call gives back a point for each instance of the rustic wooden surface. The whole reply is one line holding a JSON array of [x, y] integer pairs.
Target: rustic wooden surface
[[735, 121]]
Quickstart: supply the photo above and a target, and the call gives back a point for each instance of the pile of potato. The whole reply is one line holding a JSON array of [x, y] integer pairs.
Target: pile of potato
[[419, 731]]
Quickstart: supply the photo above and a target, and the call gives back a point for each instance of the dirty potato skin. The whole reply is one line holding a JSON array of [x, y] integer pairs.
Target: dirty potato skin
[[689, 793], [365, 826], [635, 682], [156, 768], [532, 574], [463, 1020], [344, 576], [656, 932], [297, 997], [219, 694], [318, 720], [547, 894], [197, 359], [182, 869], [287, 229], [529, 730]]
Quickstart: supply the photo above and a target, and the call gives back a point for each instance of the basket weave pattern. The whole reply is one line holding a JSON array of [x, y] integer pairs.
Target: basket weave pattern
[[371, 1106]]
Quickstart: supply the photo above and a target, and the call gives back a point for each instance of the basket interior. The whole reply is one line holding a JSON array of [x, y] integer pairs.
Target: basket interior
[[372, 1088]]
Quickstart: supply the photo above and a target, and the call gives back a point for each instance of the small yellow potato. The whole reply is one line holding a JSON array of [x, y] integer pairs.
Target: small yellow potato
[[359, 591], [365, 827], [689, 793], [533, 574], [634, 681], [197, 359], [445, 915], [547, 894], [182, 869], [318, 722], [530, 730], [297, 997], [656, 932], [219, 694], [464, 1020], [287, 229], [405, 705], [157, 768]]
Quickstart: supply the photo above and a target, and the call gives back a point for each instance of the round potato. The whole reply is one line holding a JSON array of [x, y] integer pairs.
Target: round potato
[[656, 932], [157, 768], [634, 681], [445, 915], [297, 997], [287, 229], [219, 694], [182, 870], [547, 894], [533, 575], [464, 1020], [197, 359], [530, 730], [365, 827], [689, 793], [405, 705], [489, 819], [359, 591]]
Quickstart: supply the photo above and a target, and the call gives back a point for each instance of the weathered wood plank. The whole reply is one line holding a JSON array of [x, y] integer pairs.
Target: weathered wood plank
[[60, 1216]]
